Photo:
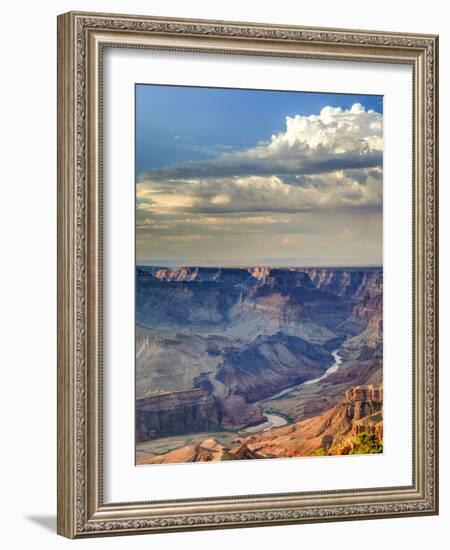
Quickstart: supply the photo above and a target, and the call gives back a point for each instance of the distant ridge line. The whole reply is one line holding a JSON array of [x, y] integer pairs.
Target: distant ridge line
[[261, 266]]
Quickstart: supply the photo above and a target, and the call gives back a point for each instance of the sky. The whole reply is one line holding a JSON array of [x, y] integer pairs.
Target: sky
[[230, 177]]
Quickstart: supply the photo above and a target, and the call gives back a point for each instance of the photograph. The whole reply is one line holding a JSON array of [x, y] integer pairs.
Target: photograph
[[247, 273], [259, 274], [228, 258]]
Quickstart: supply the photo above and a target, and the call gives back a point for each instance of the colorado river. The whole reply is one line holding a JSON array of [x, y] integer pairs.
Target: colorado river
[[334, 367], [275, 420]]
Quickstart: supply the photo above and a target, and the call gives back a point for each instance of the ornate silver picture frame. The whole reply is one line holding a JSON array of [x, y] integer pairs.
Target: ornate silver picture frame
[[82, 41]]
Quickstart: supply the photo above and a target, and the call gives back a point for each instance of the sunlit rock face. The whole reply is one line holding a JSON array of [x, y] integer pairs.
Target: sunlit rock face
[[213, 342]]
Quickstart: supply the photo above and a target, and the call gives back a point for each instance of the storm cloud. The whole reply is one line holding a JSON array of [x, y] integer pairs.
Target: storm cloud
[[327, 164]]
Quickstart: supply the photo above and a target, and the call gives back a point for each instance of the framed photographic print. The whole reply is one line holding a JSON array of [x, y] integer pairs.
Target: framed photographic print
[[247, 277]]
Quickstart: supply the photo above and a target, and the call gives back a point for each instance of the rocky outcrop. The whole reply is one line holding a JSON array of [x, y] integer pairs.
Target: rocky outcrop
[[360, 412], [260, 273], [367, 344], [370, 298], [351, 283], [327, 431], [372, 424], [332, 432], [362, 401], [202, 274], [209, 450], [369, 307], [274, 306], [278, 279], [175, 413]]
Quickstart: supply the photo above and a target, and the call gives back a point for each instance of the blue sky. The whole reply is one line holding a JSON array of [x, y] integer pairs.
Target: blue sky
[[178, 123], [250, 177]]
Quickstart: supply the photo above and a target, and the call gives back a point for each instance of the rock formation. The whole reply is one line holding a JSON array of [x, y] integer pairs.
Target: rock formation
[[176, 413], [332, 432], [209, 450], [213, 342]]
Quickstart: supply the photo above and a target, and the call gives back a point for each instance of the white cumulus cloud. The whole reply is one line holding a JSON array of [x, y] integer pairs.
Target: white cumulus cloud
[[319, 163]]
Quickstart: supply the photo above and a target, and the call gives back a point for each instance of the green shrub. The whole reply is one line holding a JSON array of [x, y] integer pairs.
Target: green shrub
[[322, 451], [366, 444]]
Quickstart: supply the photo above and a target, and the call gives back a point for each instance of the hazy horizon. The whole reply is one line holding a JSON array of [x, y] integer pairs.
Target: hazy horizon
[[248, 177], [264, 264]]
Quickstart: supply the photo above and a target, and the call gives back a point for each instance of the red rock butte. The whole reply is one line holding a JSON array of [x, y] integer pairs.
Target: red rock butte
[[365, 393]]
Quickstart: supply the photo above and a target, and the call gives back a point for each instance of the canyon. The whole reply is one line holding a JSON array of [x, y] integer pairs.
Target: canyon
[[334, 432], [237, 352]]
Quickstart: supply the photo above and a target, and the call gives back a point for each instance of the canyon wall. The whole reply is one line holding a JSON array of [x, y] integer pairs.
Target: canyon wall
[[333, 432], [241, 335], [176, 413]]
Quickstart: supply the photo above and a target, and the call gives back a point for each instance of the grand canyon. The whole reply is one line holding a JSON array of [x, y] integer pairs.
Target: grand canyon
[[256, 362]]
